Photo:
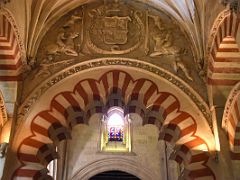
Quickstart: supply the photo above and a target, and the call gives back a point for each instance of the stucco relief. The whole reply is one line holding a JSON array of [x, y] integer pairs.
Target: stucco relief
[[113, 28], [118, 28]]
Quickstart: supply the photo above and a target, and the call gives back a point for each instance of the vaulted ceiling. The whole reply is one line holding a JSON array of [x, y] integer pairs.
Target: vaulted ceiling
[[195, 17]]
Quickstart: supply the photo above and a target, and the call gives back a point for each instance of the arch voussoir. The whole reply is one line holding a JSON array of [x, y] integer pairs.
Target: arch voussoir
[[57, 132], [140, 96], [46, 154]]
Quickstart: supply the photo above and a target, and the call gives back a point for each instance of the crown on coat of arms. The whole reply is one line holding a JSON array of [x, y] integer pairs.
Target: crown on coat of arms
[[112, 6]]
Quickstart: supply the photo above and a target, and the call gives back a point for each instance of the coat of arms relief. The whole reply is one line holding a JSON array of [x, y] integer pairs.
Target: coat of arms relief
[[114, 28]]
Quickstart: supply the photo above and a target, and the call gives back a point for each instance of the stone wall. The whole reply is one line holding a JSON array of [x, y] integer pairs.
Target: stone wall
[[147, 156]]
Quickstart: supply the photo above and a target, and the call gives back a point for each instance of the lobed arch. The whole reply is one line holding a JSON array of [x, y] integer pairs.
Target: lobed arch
[[140, 95]]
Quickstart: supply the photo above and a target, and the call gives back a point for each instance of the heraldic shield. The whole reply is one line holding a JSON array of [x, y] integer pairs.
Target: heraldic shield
[[115, 30]]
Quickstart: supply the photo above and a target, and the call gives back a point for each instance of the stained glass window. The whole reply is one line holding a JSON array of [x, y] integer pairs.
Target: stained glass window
[[115, 127], [115, 136]]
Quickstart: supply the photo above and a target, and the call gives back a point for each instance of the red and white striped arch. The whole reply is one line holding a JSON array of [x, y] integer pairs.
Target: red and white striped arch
[[224, 54], [231, 121], [93, 95], [11, 50]]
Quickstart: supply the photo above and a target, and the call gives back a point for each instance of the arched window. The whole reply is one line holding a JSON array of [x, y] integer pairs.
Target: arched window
[[115, 131], [115, 125]]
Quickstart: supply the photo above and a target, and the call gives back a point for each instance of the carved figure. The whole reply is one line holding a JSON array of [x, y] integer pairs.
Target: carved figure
[[69, 48], [158, 22], [164, 45], [27, 68], [72, 20], [43, 69], [64, 44], [178, 64], [60, 39]]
